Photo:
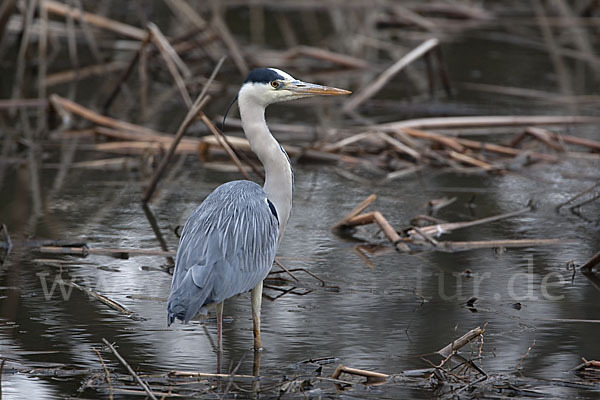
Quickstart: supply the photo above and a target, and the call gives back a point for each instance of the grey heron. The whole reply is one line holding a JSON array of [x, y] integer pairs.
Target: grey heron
[[228, 244]]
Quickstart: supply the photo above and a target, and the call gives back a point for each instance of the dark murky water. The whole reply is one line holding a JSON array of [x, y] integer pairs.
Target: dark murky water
[[381, 318]]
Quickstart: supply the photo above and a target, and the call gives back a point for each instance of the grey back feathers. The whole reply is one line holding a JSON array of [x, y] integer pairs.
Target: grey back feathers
[[227, 247]]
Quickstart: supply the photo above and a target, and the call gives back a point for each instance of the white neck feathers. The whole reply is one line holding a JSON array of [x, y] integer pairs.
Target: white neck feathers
[[278, 172]]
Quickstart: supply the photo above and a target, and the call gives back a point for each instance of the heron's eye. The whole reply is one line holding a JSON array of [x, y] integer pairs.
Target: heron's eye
[[275, 84]]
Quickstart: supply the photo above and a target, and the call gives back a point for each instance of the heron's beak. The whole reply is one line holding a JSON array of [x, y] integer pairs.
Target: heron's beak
[[314, 89]]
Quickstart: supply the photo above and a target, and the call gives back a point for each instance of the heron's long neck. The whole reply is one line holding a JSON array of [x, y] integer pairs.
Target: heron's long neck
[[278, 171]]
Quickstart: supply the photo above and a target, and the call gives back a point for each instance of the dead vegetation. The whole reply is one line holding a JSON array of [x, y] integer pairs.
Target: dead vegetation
[[423, 235]]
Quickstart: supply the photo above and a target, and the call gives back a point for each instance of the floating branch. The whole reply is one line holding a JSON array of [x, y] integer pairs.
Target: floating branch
[[131, 371], [459, 145], [488, 244], [84, 251], [373, 378], [106, 373], [192, 374], [544, 136], [460, 342], [588, 369], [435, 137], [447, 227], [355, 218], [355, 211], [422, 237], [472, 161]]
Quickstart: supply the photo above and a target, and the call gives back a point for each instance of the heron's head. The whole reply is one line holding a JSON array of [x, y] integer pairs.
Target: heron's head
[[269, 85]]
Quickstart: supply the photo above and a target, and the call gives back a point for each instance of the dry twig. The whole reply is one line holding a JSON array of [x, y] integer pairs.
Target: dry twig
[[372, 377], [131, 371]]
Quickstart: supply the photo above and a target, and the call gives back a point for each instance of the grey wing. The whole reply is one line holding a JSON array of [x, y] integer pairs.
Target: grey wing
[[226, 248]]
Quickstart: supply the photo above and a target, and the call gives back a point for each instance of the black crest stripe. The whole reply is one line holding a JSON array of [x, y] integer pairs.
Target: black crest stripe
[[262, 75]]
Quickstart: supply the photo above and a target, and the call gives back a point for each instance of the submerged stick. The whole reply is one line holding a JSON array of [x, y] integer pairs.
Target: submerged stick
[[591, 263], [131, 371], [525, 355], [578, 195], [103, 299]]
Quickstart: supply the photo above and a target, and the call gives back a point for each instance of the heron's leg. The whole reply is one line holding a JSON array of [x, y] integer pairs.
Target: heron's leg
[[256, 371], [219, 336], [256, 298], [220, 327]]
